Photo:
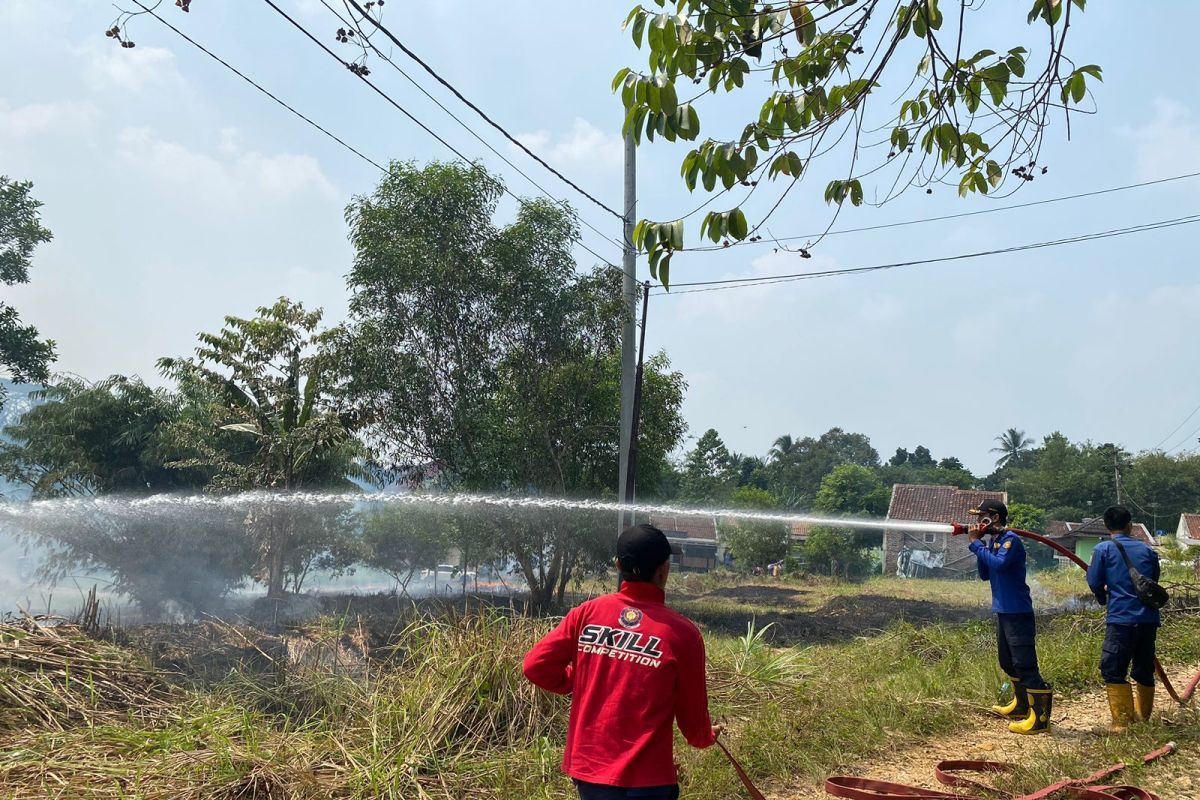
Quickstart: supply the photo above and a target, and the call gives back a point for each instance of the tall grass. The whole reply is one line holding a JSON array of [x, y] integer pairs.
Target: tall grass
[[444, 713]]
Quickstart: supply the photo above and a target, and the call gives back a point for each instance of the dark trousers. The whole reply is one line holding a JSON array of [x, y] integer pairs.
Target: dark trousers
[[1016, 650], [597, 791], [1125, 645]]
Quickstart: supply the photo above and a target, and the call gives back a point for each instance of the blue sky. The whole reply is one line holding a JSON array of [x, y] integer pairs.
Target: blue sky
[[178, 195]]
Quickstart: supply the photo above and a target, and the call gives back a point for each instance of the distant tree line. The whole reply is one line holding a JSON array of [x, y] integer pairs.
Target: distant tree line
[[839, 472]]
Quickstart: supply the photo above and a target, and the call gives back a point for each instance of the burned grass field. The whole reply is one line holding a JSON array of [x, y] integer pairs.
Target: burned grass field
[[375, 698]]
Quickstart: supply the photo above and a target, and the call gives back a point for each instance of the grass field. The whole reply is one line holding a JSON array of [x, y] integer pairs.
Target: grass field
[[811, 677]]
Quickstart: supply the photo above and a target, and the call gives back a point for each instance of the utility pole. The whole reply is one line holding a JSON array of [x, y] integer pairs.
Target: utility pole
[[629, 323], [631, 467], [1117, 473]]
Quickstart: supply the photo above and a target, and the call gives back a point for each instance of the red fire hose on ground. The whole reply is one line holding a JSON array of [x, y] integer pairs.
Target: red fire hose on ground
[[948, 772]]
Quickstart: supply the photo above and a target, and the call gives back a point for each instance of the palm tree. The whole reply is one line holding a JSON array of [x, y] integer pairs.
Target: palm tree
[[782, 448], [1011, 445]]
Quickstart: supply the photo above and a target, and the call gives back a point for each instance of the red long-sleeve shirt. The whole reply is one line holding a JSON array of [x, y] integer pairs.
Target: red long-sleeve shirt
[[633, 667]]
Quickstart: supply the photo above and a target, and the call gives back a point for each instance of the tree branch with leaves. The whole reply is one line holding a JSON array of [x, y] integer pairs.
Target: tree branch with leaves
[[974, 121]]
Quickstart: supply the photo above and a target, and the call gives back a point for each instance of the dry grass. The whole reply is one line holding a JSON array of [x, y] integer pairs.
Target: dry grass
[[439, 708], [54, 677]]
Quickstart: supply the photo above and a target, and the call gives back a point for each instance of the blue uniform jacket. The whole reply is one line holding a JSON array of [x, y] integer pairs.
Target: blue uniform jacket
[[1002, 563], [1109, 580]]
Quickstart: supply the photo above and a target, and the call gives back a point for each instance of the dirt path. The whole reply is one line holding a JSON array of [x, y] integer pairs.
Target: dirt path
[[1177, 778]]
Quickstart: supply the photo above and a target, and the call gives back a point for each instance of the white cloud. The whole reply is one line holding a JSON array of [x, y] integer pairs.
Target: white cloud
[[130, 69], [1169, 144], [584, 146], [232, 179], [37, 119]]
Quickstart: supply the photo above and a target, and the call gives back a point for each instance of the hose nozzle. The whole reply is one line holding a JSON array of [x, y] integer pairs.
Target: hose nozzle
[[957, 529]]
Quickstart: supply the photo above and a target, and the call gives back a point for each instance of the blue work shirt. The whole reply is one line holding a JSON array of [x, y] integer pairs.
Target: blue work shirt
[[1002, 563], [1109, 580]]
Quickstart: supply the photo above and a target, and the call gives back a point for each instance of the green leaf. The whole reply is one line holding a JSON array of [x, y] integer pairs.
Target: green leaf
[[1078, 88], [668, 99], [738, 228], [856, 192], [677, 234], [620, 77], [639, 233], [806, 26], [639, 27], [994, 173]]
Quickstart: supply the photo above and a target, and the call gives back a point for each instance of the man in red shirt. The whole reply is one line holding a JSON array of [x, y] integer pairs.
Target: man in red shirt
[[633, 667]]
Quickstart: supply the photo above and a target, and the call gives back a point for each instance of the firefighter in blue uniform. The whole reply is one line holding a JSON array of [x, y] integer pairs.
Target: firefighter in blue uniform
[[1001, 562], [1132, 625]]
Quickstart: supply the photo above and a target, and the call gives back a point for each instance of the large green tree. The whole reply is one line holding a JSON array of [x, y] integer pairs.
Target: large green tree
[[850, 489], [882, 95], [1160, 487], [853, 489], [796, 477], [402, 540], [93, 439], [755, 543], [23, 354], [709, 472], [919, 466], [479, 353], [97, 438], [268, 387]]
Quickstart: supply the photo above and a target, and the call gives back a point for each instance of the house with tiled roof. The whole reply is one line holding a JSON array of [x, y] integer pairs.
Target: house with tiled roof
[[1082, 537], [696, 535], [1188, 532], [925, 553]]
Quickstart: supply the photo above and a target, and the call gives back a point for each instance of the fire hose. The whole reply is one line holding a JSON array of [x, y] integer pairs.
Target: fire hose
[[949, 772]]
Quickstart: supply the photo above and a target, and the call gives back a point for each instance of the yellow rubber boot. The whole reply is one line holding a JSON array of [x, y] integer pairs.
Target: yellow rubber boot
[[1143, 702], [1041, 703], [1018, 707], [1120, 704]]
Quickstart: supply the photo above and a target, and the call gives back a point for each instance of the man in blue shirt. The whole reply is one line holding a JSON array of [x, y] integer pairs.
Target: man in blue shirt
[[1001, 562], [1132, 625]]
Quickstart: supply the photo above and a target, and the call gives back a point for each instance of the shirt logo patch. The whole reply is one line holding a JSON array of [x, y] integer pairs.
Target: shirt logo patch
[[1008, 545], [631, 617]]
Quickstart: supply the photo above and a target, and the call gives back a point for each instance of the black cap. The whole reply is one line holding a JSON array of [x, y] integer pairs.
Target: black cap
[[642, 549], [991, 507]]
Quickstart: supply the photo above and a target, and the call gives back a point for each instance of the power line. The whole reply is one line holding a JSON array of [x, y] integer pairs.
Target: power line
[[1190, 437], [380, 26], [945, 217], [734, 283], [399, 107], [388, 60], [1177, 427], [257, 86]]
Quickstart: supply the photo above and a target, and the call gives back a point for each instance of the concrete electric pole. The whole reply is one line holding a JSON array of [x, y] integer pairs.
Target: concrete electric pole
[[629, 324]]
